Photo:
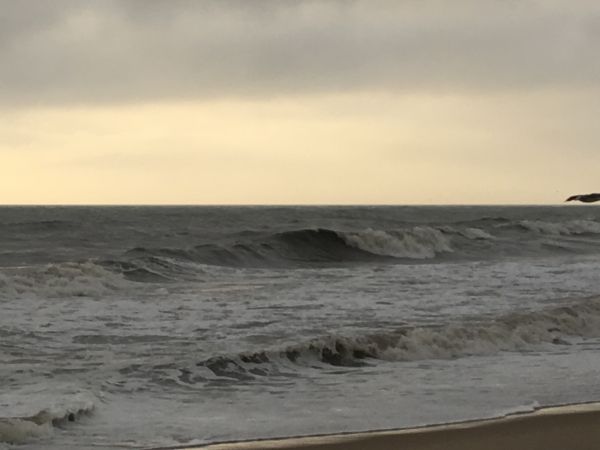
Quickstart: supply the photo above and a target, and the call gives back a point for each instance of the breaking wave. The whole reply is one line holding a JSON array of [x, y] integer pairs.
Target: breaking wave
[[523, 331], [476, 234], [304, 247], [62, 280], [416, 243], [19, 430], [568, 228], [323, 246], [307, 247]]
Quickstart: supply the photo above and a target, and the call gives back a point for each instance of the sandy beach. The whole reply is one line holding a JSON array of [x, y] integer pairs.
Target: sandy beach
[[573, 427]]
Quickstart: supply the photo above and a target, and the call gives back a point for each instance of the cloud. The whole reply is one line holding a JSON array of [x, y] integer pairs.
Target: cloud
[[101, 51]]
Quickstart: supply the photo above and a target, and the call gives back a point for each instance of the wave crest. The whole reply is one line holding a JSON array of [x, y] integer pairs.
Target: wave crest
[[284, 249], [19, 430], [472, 337], [416, 243], [569, 228], [63, 280]]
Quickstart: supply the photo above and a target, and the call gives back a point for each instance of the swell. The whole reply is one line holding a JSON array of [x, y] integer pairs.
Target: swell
[[515, 332], [296, 248], [41, 225], [479, 240], [484, 239]]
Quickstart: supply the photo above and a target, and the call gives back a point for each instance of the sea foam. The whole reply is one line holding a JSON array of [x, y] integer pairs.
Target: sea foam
[[416, 243], [18, 430], [518, 331], [61, 280]]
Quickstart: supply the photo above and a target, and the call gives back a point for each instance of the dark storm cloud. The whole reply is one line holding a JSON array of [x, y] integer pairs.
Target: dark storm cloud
[[136, 50]]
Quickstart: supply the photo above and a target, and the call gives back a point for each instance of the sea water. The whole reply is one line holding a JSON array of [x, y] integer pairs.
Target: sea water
[[139, 327]]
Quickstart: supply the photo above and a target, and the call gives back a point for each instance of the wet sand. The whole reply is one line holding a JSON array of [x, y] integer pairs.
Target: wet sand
[[573, 427]]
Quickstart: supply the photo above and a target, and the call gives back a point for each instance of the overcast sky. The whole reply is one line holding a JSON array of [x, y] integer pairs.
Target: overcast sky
[[183, 101]]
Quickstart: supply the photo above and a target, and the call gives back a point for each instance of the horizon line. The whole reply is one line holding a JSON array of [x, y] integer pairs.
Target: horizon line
[[5, 205]]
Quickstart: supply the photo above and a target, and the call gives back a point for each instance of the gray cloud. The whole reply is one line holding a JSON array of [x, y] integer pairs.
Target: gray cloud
[[137, 50]]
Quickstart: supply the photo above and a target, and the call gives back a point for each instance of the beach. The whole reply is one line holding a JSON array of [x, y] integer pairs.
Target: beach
[[573, 427]]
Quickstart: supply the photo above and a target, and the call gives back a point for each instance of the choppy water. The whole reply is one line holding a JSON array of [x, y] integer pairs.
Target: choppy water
[[137, 327]]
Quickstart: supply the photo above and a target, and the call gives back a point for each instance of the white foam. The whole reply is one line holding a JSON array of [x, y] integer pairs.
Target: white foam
[[59, 281], [55, 411], [476, 233], [533, 330], [417, 243], [513, 332], [18, 431], [520, 409], [571, 227]]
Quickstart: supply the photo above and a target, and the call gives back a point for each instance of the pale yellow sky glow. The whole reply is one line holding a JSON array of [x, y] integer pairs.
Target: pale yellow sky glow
[[360, 148], [304, 102]]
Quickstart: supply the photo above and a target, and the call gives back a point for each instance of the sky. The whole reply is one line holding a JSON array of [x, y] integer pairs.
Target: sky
[[298, 101]]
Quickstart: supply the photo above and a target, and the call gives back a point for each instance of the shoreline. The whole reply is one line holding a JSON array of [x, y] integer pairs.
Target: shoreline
[[571, 426]]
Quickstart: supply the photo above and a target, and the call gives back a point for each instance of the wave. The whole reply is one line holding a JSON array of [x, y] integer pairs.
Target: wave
[[417, 243], [19, 430], [484, 221], [151, 269], [305, 247], [63, 280], [323, 246], [568, 228], [523, 331], [476, 234]]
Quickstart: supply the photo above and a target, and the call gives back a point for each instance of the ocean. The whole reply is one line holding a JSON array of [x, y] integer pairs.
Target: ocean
[[142, 327]]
